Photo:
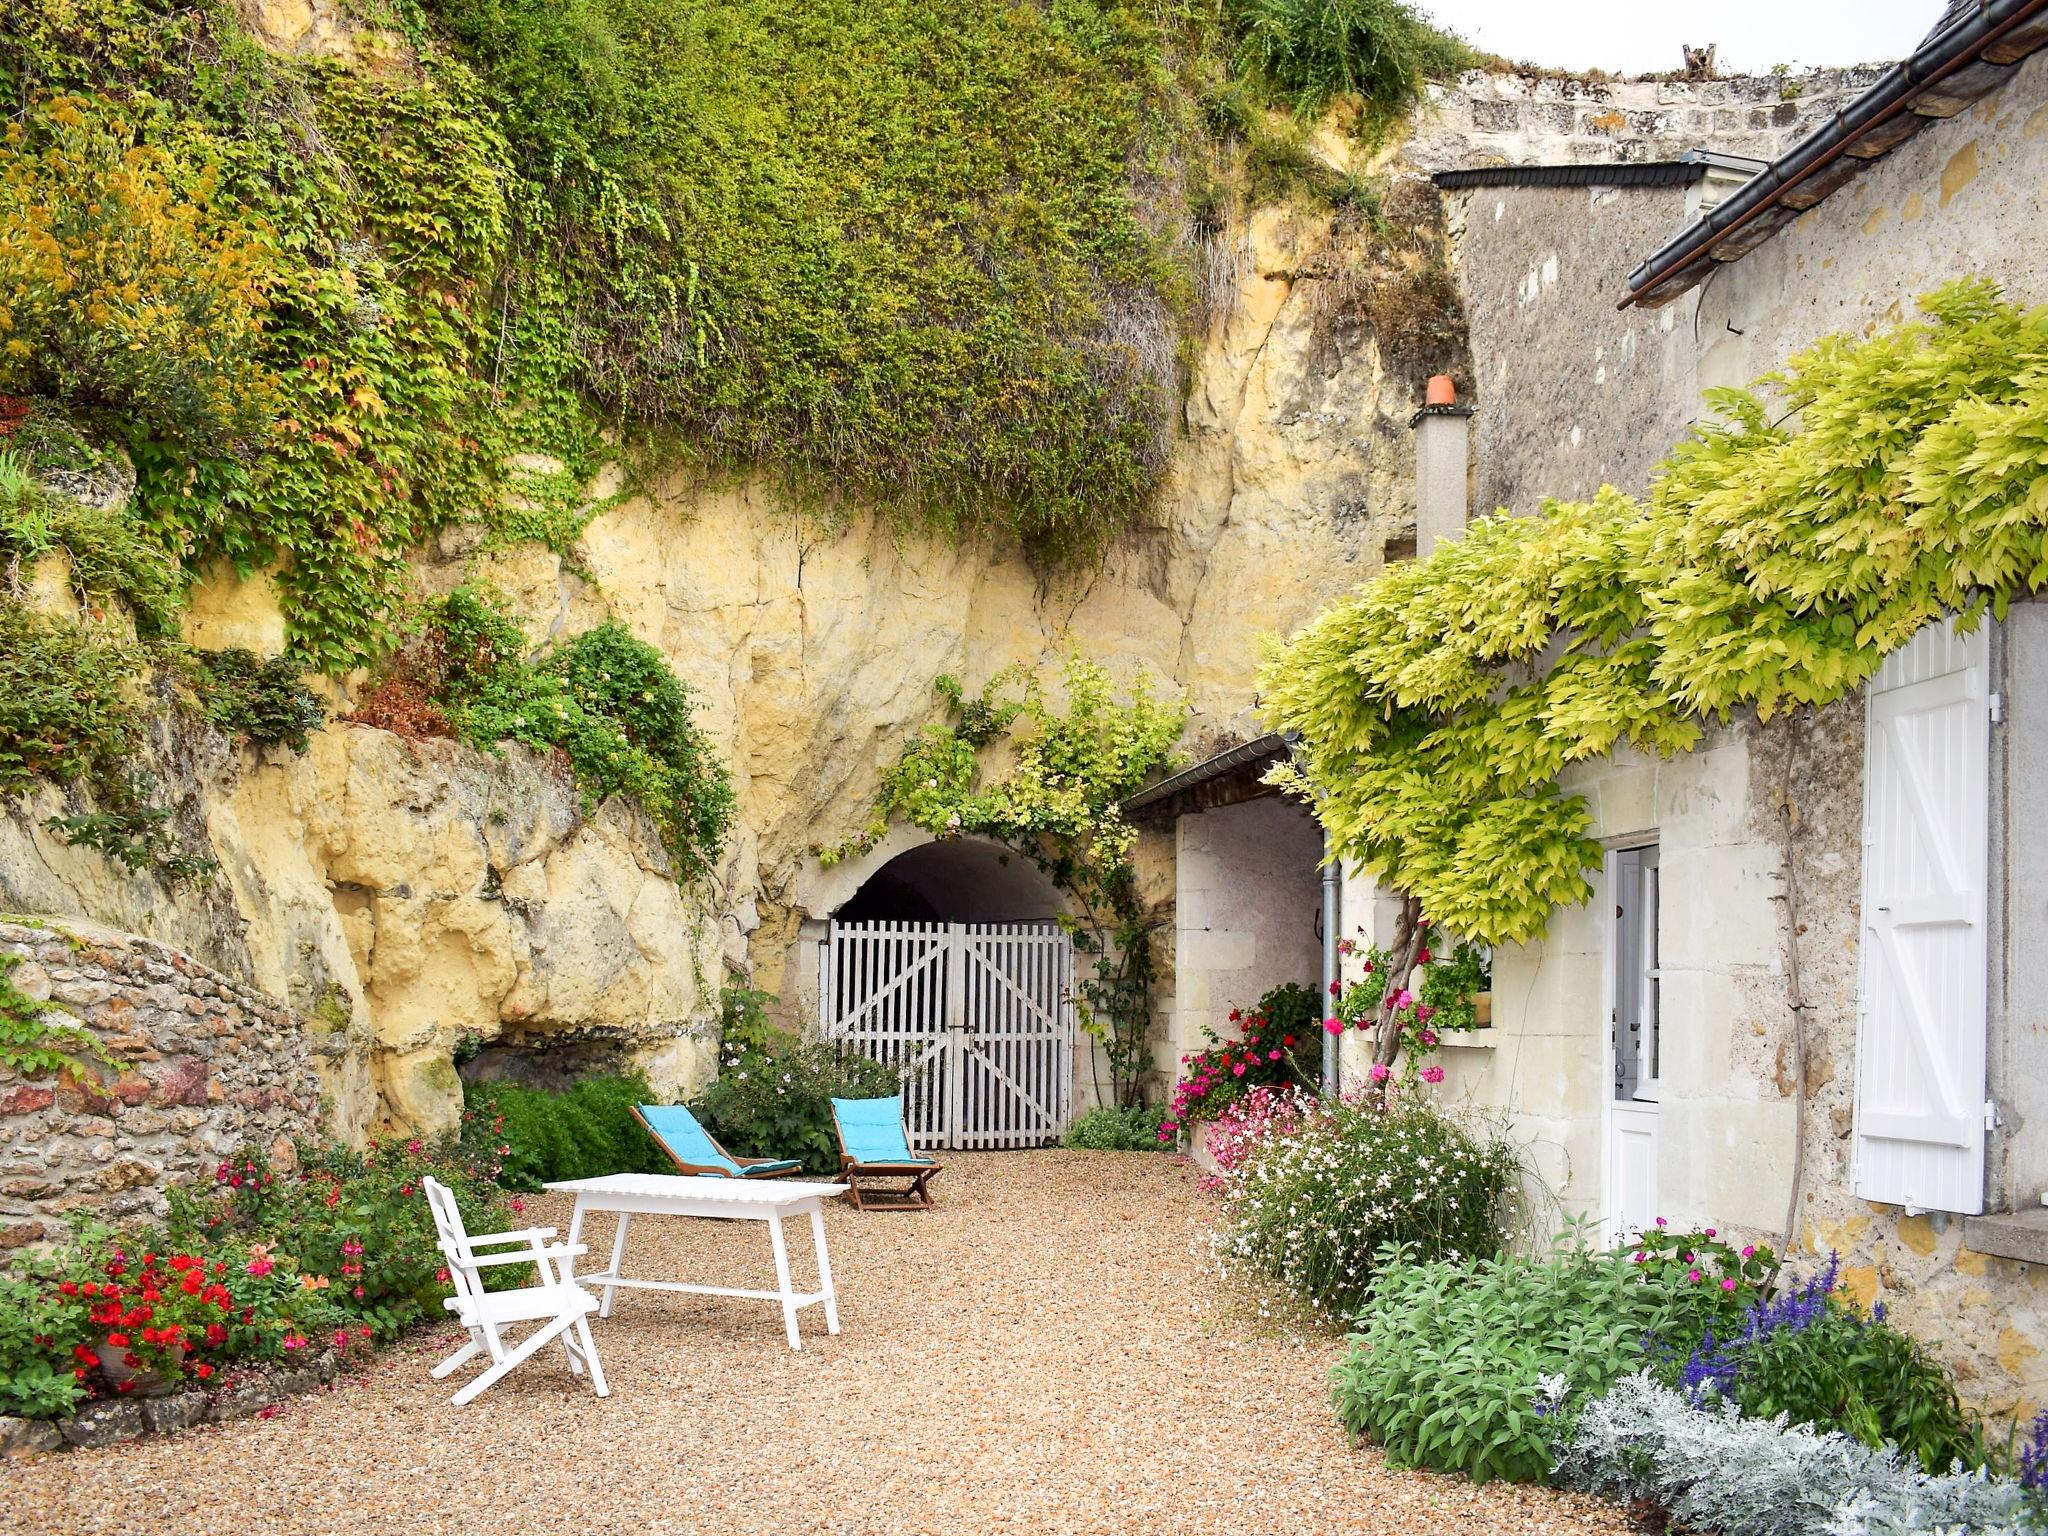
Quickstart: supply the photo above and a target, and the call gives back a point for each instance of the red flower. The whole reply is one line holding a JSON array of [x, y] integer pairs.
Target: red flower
[[202, 1370], [117, 1341]]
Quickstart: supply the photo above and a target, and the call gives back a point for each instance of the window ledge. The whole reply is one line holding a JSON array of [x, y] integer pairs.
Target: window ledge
[[2021, 1235], [1469, 1039]]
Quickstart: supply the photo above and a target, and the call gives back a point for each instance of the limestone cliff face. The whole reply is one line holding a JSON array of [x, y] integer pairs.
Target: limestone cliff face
[[404, 896], [813, 650], [410, 895]]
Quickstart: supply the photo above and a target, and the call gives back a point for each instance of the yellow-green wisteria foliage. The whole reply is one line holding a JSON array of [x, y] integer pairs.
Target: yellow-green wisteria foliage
[[1873, 485]]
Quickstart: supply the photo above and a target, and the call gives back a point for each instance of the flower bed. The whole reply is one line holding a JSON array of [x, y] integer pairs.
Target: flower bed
[[1316, 1193], [1666, 1374], [1277, 1044], [266, 1267]]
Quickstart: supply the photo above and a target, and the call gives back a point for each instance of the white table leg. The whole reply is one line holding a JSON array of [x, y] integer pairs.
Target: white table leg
[[618, 1259], [783, 1283], [575, 1236], [568, 1272], [824, 1270]]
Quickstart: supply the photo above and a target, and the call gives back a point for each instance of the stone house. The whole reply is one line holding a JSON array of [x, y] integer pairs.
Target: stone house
[[1880, 862]]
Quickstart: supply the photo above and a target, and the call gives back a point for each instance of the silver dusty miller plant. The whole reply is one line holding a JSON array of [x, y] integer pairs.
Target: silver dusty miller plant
[[1716, 1471]]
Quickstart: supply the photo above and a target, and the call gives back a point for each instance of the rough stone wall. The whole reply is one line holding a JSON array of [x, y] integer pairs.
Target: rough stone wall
[[1528, 119], [1569, 393], [203, 1064]]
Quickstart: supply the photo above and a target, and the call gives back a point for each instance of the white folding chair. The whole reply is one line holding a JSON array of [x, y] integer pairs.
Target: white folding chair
[[558, 1304]]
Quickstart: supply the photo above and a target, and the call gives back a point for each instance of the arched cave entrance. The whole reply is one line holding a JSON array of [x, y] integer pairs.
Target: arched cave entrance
[[948, 962], [964, 880]]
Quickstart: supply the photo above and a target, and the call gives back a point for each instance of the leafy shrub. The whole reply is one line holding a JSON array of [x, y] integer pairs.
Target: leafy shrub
[[1813, 1356], [110, 557], [264, 702], [1317, 1210], [67, 700], [538, 1137], [1713, 1471], [355, 1223], [1278, 1041], [99, 1317], [1108, 1129], [124, 291], [1381, 51], [607, 701], [39, 1331], [773, 1096], [1466, 1365]]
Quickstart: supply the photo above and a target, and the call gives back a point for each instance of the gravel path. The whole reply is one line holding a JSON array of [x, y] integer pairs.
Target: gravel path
[[1037, 1355]]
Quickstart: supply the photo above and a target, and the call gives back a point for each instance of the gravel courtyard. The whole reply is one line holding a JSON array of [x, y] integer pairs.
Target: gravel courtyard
[[1037, 1355]]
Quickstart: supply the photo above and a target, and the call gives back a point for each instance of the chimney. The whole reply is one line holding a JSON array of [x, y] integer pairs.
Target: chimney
[[1442, 432]]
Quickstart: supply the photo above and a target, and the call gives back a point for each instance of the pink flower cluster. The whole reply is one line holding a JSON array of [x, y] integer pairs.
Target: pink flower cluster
[[1262, 1115]]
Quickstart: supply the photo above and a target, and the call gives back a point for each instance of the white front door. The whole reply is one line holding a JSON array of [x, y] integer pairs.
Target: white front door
[[1629, 1152]]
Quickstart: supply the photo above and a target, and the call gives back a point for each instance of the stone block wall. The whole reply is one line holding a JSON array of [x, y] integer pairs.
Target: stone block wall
[[1247, 893], [1528, 119], [202, 1065]]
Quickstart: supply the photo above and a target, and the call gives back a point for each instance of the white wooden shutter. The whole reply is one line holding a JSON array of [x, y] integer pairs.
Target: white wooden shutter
[[1920, 1106]]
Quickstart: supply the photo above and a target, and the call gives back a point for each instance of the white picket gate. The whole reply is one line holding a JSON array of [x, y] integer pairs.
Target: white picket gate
[[979, 1017]]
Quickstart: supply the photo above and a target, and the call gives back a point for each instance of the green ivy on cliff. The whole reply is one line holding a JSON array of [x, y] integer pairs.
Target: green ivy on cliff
[[604, 699], [1779, 557], [938, 258]]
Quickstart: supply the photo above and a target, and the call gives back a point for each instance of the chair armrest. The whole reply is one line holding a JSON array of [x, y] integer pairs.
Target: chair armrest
[[498, 1239], [527, 1256]]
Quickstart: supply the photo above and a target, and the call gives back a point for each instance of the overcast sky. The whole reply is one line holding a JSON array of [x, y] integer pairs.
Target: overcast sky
[[1641, 36]]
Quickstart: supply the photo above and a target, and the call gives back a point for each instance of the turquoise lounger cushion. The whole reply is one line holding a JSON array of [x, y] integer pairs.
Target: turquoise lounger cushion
[[872, 1130], [679, 1130]]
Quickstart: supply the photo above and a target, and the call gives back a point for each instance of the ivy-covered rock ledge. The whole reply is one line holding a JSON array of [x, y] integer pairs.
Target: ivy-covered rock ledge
[[125, 1067]]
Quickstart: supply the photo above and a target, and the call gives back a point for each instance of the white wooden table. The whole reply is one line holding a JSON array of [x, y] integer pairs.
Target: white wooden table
[[766, 1200]]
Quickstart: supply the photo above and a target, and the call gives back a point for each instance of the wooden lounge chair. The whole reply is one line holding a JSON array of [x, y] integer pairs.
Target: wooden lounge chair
[[691, 1148], [874, 1149], [557, 1304]]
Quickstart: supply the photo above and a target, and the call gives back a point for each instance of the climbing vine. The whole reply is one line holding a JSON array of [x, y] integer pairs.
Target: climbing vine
[[1058, 802], [608, 702], [1781, 554], [33, 1039]]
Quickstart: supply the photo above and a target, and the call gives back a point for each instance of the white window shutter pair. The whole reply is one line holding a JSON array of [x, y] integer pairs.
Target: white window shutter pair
[[1920, 1052]]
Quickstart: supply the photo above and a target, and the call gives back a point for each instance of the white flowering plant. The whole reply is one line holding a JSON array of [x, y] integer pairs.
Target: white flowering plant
[[1315, 1206]]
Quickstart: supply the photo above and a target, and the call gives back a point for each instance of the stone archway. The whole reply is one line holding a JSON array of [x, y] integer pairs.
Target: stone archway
[[946, 959]]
